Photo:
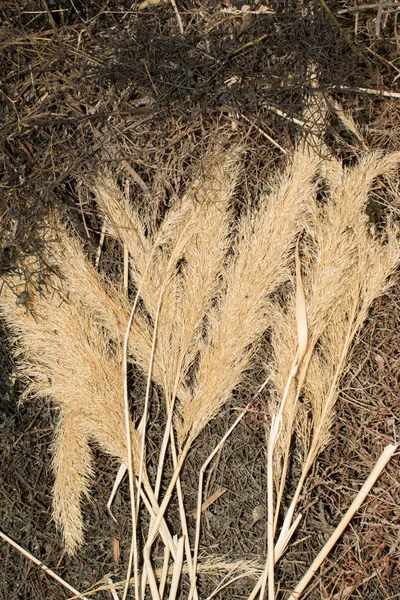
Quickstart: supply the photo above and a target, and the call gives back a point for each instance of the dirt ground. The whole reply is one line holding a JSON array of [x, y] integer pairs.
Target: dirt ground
[[142, 90]]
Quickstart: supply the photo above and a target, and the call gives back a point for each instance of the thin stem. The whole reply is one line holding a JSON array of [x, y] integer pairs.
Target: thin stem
[[42, 566], [177, 569], [143, 435], [199, 494], [275, 430], [167, 497], [355, 505], [182, 512], [146, 405], [321, 423], [133, 556], [164, 573]]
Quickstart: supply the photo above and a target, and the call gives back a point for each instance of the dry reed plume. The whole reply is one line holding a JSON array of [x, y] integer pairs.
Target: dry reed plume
[[211, 285], [346, 265], [344, 268], [194, 234], [64, 355], [262, 253]]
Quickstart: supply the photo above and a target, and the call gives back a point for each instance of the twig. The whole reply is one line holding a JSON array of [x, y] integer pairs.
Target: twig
[[345, 35], [126, 252], [355, 505], [101, 243], [178, 16], [150, 3], [251, 42], [284, 115], [207, 503], [369, 91], [50, 16], [42, 566], [79, 192], [360, 7], [136, 177], [265, 134]]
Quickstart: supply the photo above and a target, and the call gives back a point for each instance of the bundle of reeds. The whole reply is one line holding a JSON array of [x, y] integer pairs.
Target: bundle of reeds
[[304, 266]]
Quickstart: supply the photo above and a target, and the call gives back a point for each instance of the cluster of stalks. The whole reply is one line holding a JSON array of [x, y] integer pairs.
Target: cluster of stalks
[[303, 266]]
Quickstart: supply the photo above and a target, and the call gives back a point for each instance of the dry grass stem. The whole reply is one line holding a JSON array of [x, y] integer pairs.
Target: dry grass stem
[[49, 572], [359, 499], [338, 253]]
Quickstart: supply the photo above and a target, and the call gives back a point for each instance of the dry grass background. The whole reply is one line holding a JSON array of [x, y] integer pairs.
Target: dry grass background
[[87, 84]]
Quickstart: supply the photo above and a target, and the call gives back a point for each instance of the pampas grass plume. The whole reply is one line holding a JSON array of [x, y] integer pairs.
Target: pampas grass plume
[[211, 284]]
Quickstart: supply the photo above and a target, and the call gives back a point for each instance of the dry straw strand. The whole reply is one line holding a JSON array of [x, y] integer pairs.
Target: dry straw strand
[[102, 298], [200, 221], [193, 288]]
